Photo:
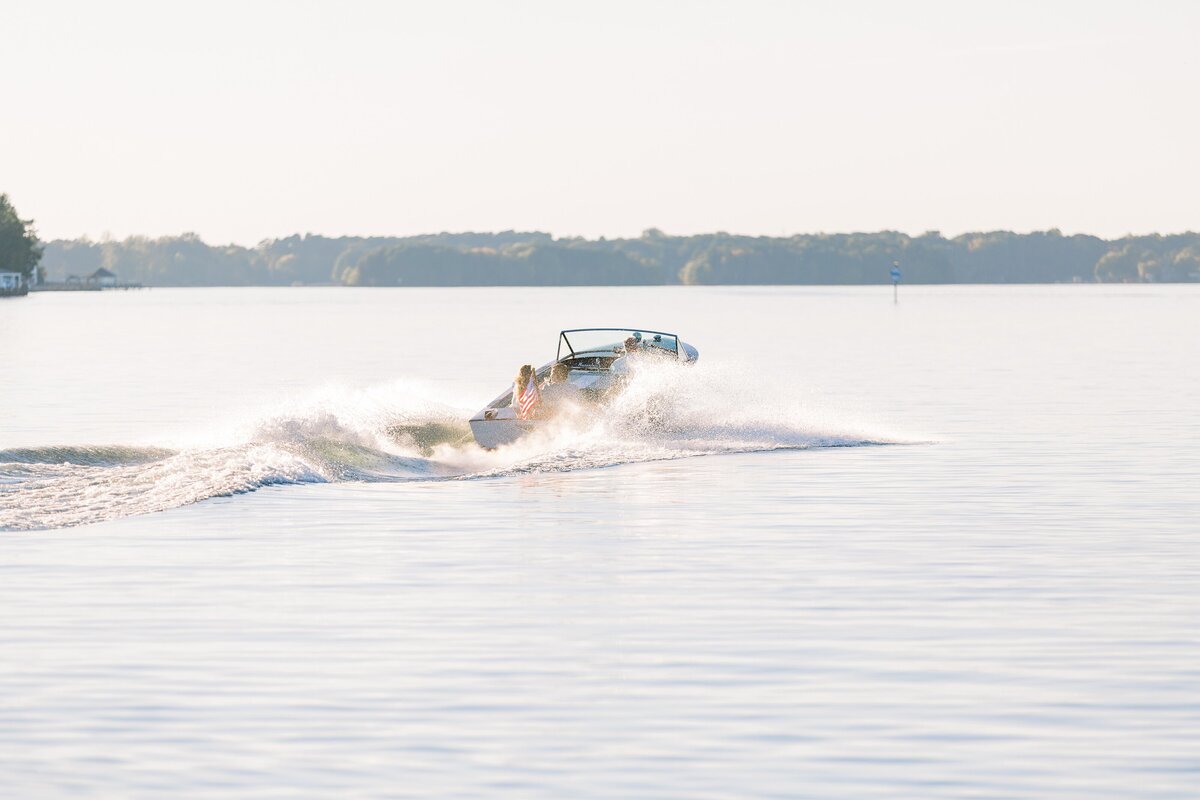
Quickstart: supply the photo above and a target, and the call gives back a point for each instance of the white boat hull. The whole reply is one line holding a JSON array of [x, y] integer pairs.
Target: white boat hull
[[493, 433]]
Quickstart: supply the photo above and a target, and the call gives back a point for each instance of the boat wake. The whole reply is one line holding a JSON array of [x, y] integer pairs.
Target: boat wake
[[399, 433]]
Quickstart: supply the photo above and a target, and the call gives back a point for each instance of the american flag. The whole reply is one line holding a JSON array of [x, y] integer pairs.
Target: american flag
[[528, 399]]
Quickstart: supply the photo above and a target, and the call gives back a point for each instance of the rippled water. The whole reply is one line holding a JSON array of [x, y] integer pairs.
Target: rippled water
[[941, 549]]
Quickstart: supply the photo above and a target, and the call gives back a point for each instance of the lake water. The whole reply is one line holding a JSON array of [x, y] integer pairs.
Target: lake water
[[945, 548]]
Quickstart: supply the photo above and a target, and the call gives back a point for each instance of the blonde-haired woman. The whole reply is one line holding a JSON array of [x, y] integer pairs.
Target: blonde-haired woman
[[524, 375]]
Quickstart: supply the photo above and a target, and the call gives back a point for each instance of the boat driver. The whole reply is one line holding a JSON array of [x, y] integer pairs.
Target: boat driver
[[560, 390]]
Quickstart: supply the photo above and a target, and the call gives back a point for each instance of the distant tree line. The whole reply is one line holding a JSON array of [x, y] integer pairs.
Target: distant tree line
[[537, 259]]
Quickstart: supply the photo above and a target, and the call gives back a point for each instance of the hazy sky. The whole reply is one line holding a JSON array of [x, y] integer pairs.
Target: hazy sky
[[248, 120]]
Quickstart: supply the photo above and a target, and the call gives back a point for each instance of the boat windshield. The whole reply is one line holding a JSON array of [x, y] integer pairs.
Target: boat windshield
[[609, 341]]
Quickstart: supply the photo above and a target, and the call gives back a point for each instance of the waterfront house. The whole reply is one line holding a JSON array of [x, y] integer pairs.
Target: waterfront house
[[102, 277], [13, 283]]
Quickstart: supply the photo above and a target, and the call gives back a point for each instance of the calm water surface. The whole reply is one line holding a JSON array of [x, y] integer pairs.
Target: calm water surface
[[948, 548]]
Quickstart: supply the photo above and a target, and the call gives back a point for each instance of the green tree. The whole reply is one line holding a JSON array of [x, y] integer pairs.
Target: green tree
[[19, 248], [1124, 264]]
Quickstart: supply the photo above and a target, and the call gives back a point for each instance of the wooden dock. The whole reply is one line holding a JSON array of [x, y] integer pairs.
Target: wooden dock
[[82, 287]]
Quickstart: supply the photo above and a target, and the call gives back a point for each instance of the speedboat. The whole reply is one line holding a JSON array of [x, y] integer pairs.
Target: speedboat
[[599, 360]]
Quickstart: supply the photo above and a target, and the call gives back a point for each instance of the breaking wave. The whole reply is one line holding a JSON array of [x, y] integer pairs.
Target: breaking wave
[[400, 432]]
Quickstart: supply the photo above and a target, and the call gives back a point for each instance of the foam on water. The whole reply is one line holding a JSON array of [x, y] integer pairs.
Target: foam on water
[[403, 432]]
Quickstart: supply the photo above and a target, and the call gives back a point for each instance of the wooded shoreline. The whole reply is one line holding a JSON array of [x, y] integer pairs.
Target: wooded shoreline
[[537, 259]]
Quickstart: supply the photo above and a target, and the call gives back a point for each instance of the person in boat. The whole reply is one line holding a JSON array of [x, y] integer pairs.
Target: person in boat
[[560, 391], [527, 405], [524, 375]]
